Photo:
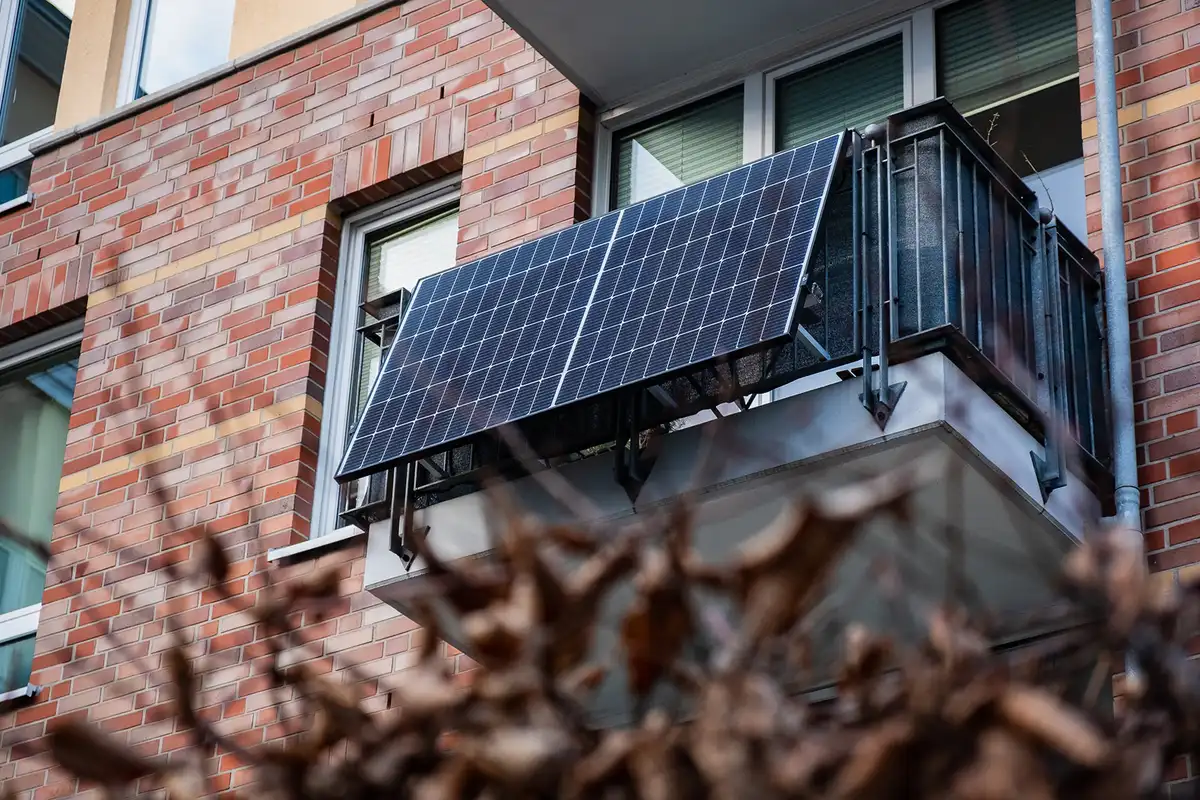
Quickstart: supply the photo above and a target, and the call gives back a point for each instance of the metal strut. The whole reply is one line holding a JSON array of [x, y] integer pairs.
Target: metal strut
[[401, 521], [1051, 470], [630, 470], [879, 400]]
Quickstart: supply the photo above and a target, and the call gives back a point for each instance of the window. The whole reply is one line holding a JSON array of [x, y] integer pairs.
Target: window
[[385, 251], [35, 46], [171, 40], [799, 105], [814, 102], [37, 386], [679, 148], [1010, 66]]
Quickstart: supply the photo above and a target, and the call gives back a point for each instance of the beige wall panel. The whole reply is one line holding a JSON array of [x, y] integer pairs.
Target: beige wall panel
[[257, 23]]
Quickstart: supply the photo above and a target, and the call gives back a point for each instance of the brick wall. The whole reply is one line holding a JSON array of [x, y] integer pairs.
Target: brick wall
[[201, 236], [1158, 81]]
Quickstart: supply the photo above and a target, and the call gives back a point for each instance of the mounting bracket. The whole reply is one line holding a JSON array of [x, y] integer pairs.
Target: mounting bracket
[[1049, 471], [631, 468], [880, 403], [401, 520]]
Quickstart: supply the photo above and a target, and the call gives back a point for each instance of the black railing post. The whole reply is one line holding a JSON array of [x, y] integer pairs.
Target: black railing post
[[880, 398], [1050, 468]]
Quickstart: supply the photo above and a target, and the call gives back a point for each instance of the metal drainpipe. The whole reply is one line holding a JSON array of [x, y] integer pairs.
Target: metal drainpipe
[[1116, 292]]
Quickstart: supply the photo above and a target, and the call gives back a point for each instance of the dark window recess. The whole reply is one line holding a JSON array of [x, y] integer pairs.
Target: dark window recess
[[1036, 131], [1011, 67]]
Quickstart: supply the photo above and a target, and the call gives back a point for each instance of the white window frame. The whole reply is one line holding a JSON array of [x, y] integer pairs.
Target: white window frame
[[23, 622], [135, 45], [916, 28], [14, 626], [18, 152], [758, 95], [343, 340]]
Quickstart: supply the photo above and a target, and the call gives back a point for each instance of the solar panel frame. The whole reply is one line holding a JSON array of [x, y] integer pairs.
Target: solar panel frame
[[483, 313]]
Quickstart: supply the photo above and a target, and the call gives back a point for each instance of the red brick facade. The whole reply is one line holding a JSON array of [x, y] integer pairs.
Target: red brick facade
[[1158, 80], [201, 236]]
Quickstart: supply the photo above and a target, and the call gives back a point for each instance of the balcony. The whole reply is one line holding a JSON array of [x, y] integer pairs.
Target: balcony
[[990, 316]]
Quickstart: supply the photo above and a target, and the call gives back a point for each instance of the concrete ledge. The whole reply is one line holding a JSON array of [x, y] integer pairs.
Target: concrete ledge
[[315, 548]]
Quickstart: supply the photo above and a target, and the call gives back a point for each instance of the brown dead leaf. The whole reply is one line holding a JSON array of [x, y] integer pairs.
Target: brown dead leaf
[[1004, 768], [1048, 720], [91, 755], [876, 761]]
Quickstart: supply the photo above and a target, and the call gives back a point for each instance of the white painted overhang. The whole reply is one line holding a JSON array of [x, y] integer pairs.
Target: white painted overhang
[[622, 51]]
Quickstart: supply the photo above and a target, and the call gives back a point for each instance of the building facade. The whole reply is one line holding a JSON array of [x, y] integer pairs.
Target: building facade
[[205, 240]]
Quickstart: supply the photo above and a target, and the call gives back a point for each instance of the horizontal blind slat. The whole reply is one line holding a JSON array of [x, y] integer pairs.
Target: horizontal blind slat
[[679, 148], [992, 49], [849, 92]]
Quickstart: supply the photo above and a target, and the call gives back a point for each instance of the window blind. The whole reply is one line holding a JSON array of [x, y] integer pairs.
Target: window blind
[[674, 150], [992, 50], [397, 261], [847, 92], [403, 258]]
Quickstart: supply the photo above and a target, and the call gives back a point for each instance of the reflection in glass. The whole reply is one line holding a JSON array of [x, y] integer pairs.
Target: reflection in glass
[[35, 74], [35, 405], [183, 38], [678, 148]]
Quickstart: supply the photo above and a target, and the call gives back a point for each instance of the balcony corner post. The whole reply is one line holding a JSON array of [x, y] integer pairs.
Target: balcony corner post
[[879, 397], [1049, 468]]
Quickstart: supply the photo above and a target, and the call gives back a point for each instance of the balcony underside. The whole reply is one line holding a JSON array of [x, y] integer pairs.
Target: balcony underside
[[620, 51], [797, 445]]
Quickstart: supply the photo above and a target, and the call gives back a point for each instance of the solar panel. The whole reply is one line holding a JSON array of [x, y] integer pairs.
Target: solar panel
[[703, 271], [694, 274]]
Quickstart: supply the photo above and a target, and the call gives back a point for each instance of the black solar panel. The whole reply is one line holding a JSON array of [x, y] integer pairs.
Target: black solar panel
[[687, 276], [702, 272]]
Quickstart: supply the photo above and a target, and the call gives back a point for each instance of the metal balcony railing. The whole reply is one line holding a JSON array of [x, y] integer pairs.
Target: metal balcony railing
[[955, 255]]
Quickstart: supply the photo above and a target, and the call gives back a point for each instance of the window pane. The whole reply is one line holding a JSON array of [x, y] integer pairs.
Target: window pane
[[14, 181], [395, 259], [402, 258], [16, 661], [848, 92], [184, 38], [36, 73], [35, 404], [678, 148], [991, 50], [1012, 68]]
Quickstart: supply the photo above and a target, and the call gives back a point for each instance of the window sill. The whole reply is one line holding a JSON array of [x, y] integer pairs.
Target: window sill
[[17, 202], [316, 547], [24, 693], [20, 623]]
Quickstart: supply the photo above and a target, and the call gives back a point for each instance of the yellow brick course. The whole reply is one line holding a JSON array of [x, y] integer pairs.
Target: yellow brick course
[[204, 257], [191, 440]]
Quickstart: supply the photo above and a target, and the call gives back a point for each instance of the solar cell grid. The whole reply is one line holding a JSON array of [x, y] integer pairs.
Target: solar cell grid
[[709, 270], [694, 274], [468, 356]]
